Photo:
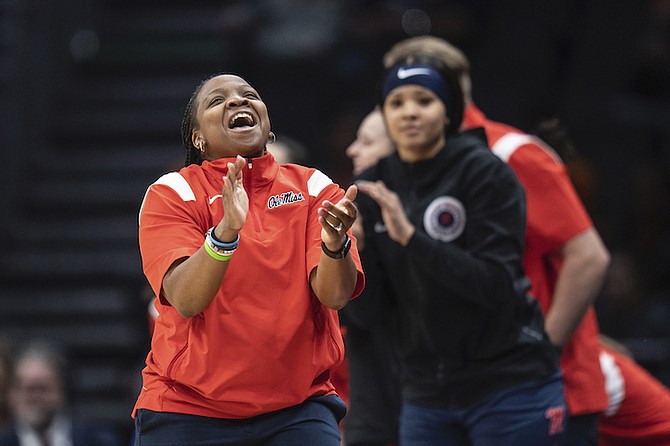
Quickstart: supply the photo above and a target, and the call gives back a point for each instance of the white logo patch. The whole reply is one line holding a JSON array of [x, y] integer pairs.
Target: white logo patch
[[404, 73], [284, 198], [444, 219]]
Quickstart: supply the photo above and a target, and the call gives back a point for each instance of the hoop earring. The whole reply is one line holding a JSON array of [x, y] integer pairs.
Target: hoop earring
[[272, 138], [201, 146]]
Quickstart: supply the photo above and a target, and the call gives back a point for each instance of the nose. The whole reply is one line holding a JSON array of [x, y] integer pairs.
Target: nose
[[352, 150], [409, 110], [237, 101]]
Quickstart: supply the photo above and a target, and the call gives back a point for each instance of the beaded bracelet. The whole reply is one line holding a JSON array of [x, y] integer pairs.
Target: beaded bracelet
[[215, 255]]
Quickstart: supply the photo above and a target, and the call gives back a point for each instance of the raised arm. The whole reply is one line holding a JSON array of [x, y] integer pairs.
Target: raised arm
[[334, 279], [191, 283]]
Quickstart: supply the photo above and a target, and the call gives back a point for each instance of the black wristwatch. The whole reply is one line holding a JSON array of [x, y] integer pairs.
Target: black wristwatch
[[340, 253]]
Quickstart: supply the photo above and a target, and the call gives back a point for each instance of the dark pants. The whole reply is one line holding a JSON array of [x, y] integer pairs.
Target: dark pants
[[314, 422], [526, 415], [583, 430], [374, 388]]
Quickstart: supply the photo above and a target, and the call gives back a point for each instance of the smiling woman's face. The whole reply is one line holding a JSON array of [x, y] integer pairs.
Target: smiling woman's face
[[231, 119], [416, 119]]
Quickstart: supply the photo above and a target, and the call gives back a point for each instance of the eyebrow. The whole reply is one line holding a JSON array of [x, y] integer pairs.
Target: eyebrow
[[246, 87], [215, 91]]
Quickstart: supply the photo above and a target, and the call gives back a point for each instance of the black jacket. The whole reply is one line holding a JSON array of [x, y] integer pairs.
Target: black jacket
[[467, 326]]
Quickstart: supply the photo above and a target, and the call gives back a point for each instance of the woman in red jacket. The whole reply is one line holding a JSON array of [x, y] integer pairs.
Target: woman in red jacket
[[250, 261]]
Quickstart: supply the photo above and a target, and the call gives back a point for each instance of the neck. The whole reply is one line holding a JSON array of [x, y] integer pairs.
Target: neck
[[413, 154], [260, 153]]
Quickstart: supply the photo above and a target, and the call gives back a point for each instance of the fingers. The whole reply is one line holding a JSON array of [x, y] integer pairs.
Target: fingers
[[338, 218], [376, 190], [233, 176], [235, 168], [333, 218], [331, 223]]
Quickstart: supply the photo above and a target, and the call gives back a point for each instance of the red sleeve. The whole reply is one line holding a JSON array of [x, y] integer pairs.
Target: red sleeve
[[167, 232], [555, 212]]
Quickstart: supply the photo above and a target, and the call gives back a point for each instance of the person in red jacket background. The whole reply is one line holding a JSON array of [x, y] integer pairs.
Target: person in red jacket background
[[639, 404]]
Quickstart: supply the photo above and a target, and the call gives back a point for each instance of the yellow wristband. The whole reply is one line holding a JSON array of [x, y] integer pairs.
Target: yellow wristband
[[215, 255]]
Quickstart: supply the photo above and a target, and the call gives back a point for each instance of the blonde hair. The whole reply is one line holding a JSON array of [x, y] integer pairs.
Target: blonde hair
[[435, 47]]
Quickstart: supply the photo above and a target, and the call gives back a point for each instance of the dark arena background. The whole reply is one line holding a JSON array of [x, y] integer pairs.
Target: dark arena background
[[92, 94]]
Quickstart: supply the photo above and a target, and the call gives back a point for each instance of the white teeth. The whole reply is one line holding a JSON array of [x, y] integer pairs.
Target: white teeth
[[242, 115]]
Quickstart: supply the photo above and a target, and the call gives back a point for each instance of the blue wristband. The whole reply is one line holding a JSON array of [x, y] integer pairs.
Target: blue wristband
[[223, 245]]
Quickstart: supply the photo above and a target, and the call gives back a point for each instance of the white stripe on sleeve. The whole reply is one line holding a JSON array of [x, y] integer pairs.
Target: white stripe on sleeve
[[505, 147], [317, 182], [176, 182]]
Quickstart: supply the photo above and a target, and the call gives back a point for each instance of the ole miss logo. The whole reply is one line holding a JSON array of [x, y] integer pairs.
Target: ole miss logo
[[444, 219], [284, 198]]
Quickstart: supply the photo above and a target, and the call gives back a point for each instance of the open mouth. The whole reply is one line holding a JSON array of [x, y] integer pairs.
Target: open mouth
[[242, 119]]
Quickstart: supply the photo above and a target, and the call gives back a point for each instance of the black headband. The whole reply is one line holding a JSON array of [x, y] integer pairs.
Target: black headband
[[423, 75]]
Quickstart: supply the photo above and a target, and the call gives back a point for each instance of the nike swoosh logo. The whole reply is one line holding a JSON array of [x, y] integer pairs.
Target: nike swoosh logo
[[379, 227], [404, 73], [211, 199]]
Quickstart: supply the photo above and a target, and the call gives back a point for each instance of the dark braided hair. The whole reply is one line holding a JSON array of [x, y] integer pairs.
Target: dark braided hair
[[193, 155]]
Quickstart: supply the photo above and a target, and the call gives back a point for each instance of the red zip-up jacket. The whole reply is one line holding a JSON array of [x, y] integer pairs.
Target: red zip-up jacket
[[265, 342]]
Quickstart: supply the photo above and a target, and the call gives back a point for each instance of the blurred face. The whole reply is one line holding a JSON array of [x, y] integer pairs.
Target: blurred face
[[371, 143], [281, 153], [4, 388], [416, 119], [231, 119], [37, 394]]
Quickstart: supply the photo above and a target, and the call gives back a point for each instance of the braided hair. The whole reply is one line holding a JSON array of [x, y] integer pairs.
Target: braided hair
[[193, 155]]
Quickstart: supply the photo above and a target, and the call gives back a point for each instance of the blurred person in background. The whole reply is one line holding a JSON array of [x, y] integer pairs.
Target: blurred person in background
[[371, 144], [250, 260], [6, 371], [370, 358], [289, 150], [443, 220], [39, 403], [638, 412], [564, 256]]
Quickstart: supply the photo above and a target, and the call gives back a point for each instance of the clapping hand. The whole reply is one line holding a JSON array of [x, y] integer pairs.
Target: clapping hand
[[336, 219]]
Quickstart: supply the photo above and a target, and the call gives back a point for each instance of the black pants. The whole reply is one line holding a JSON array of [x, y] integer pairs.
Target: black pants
[[314, 422]]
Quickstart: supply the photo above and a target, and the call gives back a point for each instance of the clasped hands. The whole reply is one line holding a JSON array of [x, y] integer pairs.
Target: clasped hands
[[335, 219], [400, 228]]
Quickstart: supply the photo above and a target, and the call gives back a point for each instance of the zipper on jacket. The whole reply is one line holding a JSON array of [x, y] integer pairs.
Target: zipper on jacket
[[170, 367], [248, 180], [411, 192]]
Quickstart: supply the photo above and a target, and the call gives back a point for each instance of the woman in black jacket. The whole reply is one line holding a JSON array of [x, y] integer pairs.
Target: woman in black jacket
[[444, 224]]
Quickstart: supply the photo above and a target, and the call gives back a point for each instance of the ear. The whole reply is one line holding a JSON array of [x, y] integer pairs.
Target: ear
[[197, 140]]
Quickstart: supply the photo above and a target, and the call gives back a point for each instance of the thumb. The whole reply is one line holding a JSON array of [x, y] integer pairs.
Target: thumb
[[351, 193]]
